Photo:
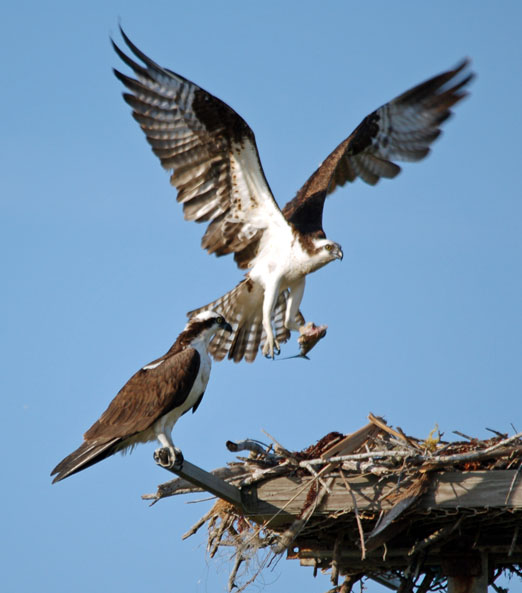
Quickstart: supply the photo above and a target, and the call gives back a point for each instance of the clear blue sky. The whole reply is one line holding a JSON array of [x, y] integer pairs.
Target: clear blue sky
[[424, 313]]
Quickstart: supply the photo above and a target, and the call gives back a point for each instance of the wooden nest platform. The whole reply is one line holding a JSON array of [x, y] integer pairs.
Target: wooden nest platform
[[415, 515]]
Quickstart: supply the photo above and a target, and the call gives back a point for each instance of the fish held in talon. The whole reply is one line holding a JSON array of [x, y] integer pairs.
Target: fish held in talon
[[309, 335]]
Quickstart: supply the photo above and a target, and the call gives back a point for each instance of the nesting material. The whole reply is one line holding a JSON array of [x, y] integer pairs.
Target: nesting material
[[373, 504]]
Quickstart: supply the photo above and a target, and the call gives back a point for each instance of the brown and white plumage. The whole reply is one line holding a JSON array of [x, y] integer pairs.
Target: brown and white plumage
[[212, 155], [402, 129], [149, 404], [243, 307]]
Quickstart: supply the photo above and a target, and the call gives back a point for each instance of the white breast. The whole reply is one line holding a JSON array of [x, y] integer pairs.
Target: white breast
[[200, 384], [284, 260], [166, 424]]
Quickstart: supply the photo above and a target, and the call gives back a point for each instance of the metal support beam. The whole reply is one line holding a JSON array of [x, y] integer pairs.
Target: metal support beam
[[199, 477]]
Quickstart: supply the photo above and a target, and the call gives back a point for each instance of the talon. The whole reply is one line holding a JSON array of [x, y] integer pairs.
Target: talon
[[169, 457], [268, 348]]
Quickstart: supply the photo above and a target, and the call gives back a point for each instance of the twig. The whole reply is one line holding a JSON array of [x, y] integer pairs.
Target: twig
[[233, 573], [357, 517], [388, 524], [499, 434], [408, 581], [316, 475], [349, 582], [262, 565], [298, 525], [398, 434], [370, 455], [278, 447], [408, 439], [282, 509], [424, 587], [513, 482], [434, 537], [347, 585], [198, 524], [514, 540], [200, 500], [381, 469], [504, 442], [264, 474], [490, 452], [464, 436], [215, 540], [516, 571]]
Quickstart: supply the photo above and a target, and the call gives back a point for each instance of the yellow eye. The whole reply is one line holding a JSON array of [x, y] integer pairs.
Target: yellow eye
[[220, 320], [328, 247]]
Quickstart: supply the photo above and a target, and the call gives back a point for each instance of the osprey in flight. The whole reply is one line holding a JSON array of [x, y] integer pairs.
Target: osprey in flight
[[212, 154], [150, 403]]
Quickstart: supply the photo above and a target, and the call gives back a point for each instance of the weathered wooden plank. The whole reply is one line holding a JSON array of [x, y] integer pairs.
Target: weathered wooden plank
[[351, 442], [478, 489], [291, 494], [475, 489]]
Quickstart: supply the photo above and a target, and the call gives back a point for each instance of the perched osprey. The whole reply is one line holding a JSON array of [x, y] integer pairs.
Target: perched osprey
[[215, 166], [150, 403]]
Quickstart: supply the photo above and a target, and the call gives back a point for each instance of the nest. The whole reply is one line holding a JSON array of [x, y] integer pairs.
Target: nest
[[378, 504]]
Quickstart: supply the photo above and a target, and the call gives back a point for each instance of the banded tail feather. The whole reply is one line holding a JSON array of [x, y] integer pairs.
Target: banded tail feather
[[242, 307]]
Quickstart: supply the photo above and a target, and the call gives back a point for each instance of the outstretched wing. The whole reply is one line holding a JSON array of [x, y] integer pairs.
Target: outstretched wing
[[212, 154], [402, 130]]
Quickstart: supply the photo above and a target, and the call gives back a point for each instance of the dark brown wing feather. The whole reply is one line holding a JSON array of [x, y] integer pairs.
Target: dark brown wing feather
[[211, 152], [402, 130], [147, 395]]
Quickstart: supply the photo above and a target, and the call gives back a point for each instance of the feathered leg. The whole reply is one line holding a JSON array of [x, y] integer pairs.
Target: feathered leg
[[292, 304], [269, 300], [168, 455]]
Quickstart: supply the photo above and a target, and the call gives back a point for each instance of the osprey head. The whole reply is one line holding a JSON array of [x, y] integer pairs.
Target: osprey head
[[324, 252], [207, 323]]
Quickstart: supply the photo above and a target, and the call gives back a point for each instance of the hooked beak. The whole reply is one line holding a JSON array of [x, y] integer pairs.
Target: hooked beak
[[227, 327], [339, 254]]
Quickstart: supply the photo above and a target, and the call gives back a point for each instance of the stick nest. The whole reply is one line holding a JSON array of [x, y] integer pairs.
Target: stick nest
[[365, 506]]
